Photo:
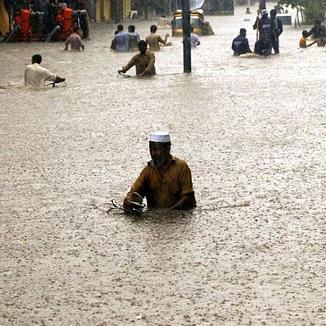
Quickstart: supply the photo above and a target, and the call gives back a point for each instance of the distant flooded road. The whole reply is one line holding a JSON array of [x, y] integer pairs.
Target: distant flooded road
[[253, 133]]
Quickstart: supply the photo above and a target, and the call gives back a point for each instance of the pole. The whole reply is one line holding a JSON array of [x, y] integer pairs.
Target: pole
[[186, 36]]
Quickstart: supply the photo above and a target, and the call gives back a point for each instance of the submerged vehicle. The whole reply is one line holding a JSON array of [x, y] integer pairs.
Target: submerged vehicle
[[200, 26]]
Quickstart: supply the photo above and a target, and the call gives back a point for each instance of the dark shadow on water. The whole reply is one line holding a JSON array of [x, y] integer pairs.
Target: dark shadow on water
[[162, 216]]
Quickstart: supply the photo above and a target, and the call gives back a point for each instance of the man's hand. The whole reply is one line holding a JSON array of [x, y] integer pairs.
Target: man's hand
[[59, 80], [143, 73], [126, 203]]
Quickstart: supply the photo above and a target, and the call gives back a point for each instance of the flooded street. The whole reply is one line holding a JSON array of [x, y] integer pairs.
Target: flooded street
[[253, 133]]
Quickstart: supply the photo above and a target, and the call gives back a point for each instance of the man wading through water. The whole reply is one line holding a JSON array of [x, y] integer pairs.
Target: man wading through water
[[144, 61], [165, 181]]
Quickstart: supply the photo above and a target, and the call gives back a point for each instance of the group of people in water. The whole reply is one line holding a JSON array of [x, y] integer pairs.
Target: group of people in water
[[128, 41], [166, 181], [269, 29]]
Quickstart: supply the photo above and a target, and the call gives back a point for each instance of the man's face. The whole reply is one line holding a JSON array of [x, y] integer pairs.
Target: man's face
[[159, 153]]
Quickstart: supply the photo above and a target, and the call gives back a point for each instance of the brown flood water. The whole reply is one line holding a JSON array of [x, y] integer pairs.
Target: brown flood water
[[253, 133]]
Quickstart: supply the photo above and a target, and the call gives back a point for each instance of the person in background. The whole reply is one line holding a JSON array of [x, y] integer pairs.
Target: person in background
[[194, 38], [264, 25], [318, 30], [153, 40], [35, 75], [163, 22], [144, 61], [240, 44], [134, 38], [279, 9], [277, 30], [75, 41], [120, 43], [262, 5], [165, 181]]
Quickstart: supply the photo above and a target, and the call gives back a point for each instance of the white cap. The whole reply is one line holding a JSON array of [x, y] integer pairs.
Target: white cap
[[159, 137]]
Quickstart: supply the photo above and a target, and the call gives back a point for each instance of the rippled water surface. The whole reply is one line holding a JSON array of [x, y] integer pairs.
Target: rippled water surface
[[253, 133]]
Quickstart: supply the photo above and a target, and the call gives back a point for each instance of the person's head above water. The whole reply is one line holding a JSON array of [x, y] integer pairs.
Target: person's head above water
[[243, 32], [131, 28], [120, 28], [273, 13], [305, 34], [142, 46], [36, 58], [153, 28], [159, 147]]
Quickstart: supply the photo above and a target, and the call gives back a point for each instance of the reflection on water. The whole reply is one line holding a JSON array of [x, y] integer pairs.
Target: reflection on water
[[252, 131]]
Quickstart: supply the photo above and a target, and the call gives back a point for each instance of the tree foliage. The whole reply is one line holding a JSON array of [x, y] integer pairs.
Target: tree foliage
[[312, 9]]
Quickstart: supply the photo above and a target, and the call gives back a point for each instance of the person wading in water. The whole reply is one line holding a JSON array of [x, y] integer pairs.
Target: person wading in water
[[165, 181], [144, 61]]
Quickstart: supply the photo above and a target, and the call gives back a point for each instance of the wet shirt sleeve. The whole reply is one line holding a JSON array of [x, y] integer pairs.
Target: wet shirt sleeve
[[160, 40], [47, 75], [140, 184], [132, 62], [186, 181]]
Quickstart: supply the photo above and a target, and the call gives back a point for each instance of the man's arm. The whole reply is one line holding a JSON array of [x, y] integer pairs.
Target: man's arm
[[138, 186], [25, 77], [81, 44], [67, 43], [187, 201], [247, 47], [312, 31], [160, 40], [256, 24], [48, 76], [129, 65], [280, 27], [113, 44]]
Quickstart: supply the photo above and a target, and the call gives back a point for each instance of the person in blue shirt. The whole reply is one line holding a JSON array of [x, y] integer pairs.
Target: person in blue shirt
[[120, 43], [240, 44], [134, 38]]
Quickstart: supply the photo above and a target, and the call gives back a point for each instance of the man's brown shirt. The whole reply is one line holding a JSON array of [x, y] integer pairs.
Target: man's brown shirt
[[163, 187]]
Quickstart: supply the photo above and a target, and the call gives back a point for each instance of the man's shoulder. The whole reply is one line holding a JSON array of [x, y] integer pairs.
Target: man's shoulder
[[36, 67], [179, 162], [150, 54], [29, 67], [136, 56]]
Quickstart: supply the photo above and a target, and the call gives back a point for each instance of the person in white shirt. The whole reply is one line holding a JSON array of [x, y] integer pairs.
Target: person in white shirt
[[35, 75], [194, 39]]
